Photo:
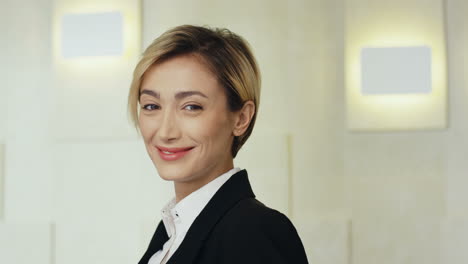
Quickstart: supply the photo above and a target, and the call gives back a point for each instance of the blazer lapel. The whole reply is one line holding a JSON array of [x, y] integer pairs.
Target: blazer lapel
[[234, 190], [157, 242]]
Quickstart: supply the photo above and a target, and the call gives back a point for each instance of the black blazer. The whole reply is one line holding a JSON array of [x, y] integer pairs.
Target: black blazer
[[234, 228]]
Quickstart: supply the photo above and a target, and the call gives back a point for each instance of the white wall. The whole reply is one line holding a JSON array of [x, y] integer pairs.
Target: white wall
[[75, 173], [25, 107], [455, 224], [26, 63]]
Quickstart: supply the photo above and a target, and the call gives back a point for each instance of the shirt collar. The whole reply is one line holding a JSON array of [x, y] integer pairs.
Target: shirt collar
[[180, 216]]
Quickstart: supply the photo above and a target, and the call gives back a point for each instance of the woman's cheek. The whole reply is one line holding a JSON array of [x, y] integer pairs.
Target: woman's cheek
[[147, 127], [196, 127]]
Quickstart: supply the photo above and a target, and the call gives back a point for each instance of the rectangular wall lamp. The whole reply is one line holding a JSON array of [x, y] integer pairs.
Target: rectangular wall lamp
[[92, 34], [395, 66], [396, 70]]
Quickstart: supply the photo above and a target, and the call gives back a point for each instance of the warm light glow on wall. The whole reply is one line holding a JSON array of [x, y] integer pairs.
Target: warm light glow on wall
[[407, 23], [84, 85], [129, 10]]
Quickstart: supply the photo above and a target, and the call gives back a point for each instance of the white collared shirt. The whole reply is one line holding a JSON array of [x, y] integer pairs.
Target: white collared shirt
[[178, 218]]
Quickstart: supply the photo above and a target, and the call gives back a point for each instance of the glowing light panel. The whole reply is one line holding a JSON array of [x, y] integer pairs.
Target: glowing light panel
[[94, 34], [395, 106], [396, 70]]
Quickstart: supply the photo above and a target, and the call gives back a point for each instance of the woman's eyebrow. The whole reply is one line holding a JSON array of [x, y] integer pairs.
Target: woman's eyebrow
[[184, 94], [149, 92]]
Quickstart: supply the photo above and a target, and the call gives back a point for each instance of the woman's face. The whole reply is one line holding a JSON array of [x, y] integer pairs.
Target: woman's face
[[185, 122]]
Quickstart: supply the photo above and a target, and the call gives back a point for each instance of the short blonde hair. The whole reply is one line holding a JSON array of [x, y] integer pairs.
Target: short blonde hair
[[225, 53]]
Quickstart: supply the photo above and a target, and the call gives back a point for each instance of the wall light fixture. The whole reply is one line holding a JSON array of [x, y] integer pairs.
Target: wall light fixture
[[92, 34], [396, 70]]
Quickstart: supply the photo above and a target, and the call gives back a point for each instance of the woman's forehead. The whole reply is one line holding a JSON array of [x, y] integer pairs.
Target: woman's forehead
[[180, 76]]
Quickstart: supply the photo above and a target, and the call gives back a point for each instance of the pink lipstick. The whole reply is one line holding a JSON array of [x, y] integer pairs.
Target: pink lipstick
[[171, 154]]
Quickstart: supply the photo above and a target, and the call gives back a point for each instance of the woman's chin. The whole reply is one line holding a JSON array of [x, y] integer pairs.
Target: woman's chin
[[172, 174], [168, 177]]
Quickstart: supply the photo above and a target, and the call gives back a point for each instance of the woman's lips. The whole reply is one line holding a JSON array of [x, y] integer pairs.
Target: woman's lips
[[171, 154]]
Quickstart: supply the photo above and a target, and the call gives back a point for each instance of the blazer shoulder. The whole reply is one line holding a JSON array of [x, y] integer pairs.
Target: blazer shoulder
[[250, 210], [263, 234], [252, 215]]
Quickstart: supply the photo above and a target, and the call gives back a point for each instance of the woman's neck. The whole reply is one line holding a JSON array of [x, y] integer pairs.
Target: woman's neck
[[185, 188]]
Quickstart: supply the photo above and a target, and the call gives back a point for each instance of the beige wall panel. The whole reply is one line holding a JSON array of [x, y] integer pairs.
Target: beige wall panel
[[391, 240], [265, 157], [395, 191], [160, 15], [4, 48], [28, 180], [107, 180], [456, 224], [399, 175], [315, 111], [317, 176], [326, 240], [2, 180], [455, 235], [96, 241], [314, 68], [3, 114], [457, 136], [26, 243]]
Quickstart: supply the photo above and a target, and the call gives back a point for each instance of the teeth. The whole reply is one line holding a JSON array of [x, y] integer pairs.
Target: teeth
[[167, 152]]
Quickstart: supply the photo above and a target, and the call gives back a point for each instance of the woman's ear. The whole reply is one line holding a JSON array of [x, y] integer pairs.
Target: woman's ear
[[243, 118]]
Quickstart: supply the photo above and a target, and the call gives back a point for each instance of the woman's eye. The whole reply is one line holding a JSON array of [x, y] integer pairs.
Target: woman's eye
[[150, 107], [193, 107]]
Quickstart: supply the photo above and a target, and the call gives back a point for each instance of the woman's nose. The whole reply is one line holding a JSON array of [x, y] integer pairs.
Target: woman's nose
[[168, 129]]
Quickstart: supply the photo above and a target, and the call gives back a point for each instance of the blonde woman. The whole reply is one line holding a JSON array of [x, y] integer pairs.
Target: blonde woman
[[194, 98]]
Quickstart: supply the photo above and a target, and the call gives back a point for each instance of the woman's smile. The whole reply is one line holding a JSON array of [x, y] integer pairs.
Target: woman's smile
[[172, 154]]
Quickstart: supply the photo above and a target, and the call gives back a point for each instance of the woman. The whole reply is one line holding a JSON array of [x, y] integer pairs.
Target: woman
[[194, 97]]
